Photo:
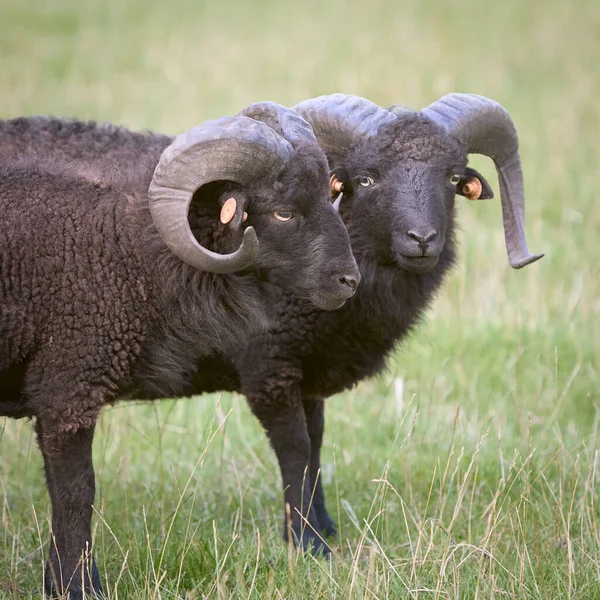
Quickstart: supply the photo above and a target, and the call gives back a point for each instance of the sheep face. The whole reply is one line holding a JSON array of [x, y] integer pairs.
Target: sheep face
[[399, 192], [304, 246]]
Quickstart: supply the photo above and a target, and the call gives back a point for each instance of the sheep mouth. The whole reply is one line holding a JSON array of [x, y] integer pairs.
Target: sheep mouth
[[334, 290], [328, 302], [416, 264]]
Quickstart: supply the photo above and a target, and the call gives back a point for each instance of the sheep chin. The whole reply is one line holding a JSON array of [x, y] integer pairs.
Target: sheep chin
[[420, 264], [327, 302]]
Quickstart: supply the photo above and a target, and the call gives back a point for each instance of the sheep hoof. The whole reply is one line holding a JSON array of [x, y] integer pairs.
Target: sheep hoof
[[328, 526], [315, 545], [93, 588], [311, 542]]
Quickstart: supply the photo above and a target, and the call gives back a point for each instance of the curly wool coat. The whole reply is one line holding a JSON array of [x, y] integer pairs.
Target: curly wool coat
[[84, 278]]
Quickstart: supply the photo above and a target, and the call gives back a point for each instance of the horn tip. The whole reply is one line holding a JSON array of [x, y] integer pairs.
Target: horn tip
[[519, 264], [250, 238]]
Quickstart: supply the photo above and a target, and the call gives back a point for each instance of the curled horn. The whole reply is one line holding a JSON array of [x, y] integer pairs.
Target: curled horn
[[285, 121], [340, 121], [234, 149], [485, 127]]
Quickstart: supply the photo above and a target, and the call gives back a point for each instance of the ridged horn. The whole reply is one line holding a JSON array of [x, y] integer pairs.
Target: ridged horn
[[285, 121], [400, 110], [485, 127], [340, 120], [236, 149]]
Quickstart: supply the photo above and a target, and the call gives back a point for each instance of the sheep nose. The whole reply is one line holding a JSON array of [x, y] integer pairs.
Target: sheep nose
[[422, 239], [350, 280]]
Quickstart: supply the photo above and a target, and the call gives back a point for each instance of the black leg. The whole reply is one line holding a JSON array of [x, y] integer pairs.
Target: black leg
[[281, 413], [70, 478], [314, 410]]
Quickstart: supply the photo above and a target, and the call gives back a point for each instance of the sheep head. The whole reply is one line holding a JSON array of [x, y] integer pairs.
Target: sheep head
[[485, 127], [260, 175], [306, 246], [399, 171]]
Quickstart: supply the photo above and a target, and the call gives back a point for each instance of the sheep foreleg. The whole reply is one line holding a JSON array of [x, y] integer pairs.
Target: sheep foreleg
[[282, 415], [70, 478], [314, 411]]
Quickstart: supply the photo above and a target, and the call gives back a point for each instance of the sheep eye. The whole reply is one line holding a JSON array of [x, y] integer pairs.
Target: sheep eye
[[366, 181], [283, 215], [455, 179]]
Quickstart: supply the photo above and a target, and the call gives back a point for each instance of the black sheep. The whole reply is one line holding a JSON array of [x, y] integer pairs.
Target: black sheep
[[399, 172], [106, 291]]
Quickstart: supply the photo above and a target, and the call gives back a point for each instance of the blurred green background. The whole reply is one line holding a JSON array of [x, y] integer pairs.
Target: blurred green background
[[477, 479]]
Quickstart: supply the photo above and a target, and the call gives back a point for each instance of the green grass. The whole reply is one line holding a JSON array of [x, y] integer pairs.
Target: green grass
[[482, 481]]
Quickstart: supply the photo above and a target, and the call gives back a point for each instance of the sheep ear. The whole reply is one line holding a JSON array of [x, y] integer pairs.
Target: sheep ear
[[474, 186], [233, 210]]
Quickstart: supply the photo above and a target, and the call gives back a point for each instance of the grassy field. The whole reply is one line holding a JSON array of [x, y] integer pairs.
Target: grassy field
[[469, 469]]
